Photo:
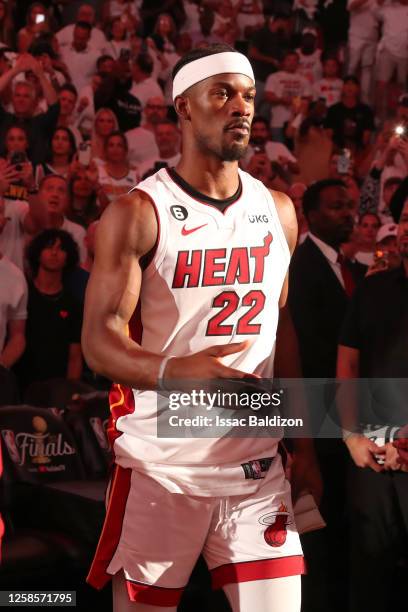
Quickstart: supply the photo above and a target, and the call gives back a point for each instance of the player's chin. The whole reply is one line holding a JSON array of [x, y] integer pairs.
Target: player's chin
[[233, 151]]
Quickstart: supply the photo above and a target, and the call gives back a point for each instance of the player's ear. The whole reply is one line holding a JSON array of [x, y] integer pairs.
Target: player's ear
[[182, 106]]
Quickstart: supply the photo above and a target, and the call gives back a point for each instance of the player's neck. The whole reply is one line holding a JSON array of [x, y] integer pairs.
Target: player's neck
[[210, 177]]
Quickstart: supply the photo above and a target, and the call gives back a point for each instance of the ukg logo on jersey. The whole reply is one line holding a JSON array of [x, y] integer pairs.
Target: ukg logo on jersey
[[38, 448]]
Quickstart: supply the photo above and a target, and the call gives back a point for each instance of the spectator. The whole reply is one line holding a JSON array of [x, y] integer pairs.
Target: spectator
[[164, 33], [85, 112], [54, 197], [367, 230], [115, 175], [268, 47], [141, 140], [53, 328], [61, 155], [117, 38], [17, 154], [350, 123], [79, 56], [321, 282], [362, 43], [151, 9], [87, 198], [392, 50], [13, 305], [330, 86], [225, 22], [68, 117], [276, 151], [283, 88], [168, 143], [205, 35], [310, 65], [192, 9], [105, 123], [250, 17], [144, 85], [126, 10], [114, 92], [6, 24], [374, 344], [22, 217], [37, 22], [313, 147], [387, 255], [23, 101], [296, 192], [154, 112], [85, 14]]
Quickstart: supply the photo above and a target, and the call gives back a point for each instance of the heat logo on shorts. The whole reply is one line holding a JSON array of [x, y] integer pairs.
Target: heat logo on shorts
[[277, 522]]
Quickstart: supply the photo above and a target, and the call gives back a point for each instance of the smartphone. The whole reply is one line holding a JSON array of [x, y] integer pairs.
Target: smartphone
[[84, 153], [381, 258], [40, 18], [17, 158], [124, 55], [344, 162], [400, 131]]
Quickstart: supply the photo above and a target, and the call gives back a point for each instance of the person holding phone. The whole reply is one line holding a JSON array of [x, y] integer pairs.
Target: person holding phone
[[118, 39], [37, 23]]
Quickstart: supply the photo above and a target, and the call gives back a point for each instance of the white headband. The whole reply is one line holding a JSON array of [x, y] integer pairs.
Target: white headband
[[218, 63]]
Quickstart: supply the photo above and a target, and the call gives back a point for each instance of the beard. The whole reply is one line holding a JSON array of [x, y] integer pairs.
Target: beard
[[225, 151], [233, 152]]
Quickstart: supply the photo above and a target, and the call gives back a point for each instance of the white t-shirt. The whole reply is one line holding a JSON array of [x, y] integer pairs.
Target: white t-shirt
[[329, 89], [97, 40], [288, 84], [363, 22], [114, 187], [78, 233], [117, 9], [113, 47], [12, 236], [394, 38], [273, 150], [310, 66], [149, 88], [81, 64], [192, 22], [13, 296], [142, 145]]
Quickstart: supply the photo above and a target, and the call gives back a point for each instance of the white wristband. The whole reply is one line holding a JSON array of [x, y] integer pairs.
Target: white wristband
[[160, 375]]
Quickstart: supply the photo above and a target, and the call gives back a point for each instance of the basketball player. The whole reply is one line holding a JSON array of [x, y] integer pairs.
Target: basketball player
[[204, 248]]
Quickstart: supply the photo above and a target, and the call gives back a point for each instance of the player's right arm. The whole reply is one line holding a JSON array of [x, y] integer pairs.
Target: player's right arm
[[128, 230]]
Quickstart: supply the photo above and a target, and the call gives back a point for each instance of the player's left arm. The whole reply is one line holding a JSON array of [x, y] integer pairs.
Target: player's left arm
[[305, 473]]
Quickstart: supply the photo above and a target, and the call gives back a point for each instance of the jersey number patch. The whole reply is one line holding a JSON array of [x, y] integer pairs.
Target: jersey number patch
[[230, 302]]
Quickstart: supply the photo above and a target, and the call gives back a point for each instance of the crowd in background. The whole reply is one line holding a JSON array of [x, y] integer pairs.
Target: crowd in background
[[86, 112]]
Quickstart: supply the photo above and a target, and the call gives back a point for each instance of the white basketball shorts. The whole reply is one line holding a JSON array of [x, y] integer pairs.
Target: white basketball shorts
[[156, 536]]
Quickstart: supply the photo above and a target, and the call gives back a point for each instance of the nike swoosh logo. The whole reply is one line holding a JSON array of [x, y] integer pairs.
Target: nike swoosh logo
[[186, 232]]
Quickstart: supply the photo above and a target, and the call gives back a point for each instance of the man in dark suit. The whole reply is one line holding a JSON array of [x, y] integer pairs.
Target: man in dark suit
[[321, 283]]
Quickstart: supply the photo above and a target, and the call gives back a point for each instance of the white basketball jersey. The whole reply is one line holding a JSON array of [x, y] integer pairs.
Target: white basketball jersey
[[215, 278]]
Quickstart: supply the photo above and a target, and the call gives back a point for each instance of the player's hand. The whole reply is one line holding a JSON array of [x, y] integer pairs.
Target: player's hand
[[206, 364], [392, 461], [363, 451]]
